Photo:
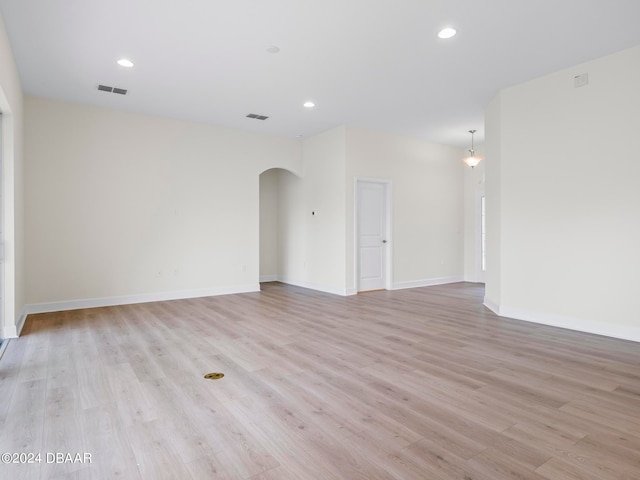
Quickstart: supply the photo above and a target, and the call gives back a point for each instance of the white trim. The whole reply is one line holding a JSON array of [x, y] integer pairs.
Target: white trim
[[7, 217], [142, 298], [13, 331], [428, 282], [623, 332], [491, 305], [3, 289], [268, 278], [21, 320], [9, 331], [343, 292]]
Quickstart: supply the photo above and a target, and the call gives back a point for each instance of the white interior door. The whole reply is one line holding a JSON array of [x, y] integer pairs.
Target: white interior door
[[372, 235]]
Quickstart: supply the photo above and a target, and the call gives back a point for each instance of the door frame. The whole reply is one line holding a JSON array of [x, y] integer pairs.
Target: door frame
[[388, 263], [3, 286]]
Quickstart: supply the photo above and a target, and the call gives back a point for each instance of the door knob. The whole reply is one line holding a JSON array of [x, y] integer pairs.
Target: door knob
[[384, 241]]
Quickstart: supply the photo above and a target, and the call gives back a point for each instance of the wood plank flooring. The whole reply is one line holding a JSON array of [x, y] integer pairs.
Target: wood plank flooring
[[414, 384]]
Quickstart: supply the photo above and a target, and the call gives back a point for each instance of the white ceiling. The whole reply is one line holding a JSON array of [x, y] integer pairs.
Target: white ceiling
[[376, 64]]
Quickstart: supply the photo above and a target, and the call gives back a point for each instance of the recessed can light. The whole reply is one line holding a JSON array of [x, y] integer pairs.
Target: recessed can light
[[447, 32], [309, 104], [123, 62]]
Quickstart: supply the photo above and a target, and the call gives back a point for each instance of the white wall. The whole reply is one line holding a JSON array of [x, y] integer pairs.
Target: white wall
[[317, 251], [292, 229], [269, 225], [124, 207], [428, 216], [568, 196], [312, 250], [474, 185], [493, 198], [11, 108]]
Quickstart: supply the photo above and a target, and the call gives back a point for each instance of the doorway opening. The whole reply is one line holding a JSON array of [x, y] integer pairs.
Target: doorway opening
[[279, 222], [3, 342]]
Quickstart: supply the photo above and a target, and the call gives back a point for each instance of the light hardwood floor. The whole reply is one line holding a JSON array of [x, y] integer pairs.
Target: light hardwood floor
[[414, 384]]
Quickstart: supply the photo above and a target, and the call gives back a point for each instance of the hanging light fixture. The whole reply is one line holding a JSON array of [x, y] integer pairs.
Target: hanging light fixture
[[472, 160]]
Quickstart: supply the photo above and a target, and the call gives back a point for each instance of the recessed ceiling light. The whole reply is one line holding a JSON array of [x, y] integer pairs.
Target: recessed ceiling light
[[447, 32], [273, 49], [309, 104], [123, 62]]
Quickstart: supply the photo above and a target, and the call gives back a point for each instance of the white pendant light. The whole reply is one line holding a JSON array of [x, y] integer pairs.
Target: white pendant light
[[472, 160]]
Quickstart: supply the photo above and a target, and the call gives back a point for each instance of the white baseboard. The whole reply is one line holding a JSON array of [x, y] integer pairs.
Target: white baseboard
[[8, 331], [429, 282], [494, 307], [142, 298], [623, 332], [13, 331], [269, 278], [20, 324], [343, 292]]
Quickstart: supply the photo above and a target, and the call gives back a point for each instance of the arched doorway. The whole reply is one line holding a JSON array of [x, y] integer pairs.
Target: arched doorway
[[278, 196]]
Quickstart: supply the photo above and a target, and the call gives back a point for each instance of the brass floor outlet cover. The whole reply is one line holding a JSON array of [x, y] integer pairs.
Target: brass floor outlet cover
[[214, 376]]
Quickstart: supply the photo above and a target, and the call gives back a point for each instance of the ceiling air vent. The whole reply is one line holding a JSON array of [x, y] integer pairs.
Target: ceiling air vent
[[105, 88], [257, 117]]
